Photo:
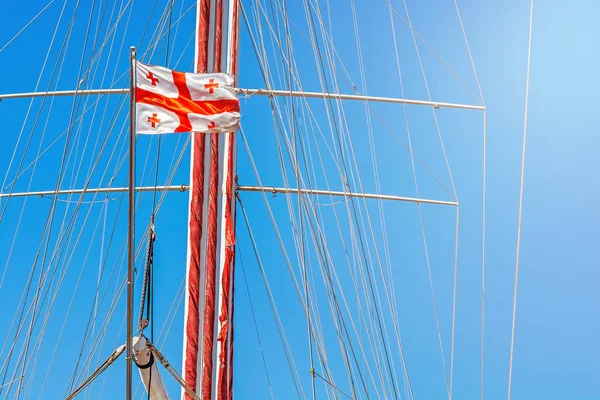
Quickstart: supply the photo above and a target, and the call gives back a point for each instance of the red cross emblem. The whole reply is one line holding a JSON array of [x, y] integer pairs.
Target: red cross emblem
[[154, 120], [153, 79], [211, 85]]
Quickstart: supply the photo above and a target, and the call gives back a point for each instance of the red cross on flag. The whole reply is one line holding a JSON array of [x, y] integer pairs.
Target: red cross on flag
[[170, 101]]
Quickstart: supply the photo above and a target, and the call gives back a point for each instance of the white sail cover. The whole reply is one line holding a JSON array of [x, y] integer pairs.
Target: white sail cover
[[148, 369]]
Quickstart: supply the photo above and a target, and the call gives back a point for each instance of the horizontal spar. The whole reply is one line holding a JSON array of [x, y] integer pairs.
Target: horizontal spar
[[170, 188], [59, 93], [356, 97], [335, 193], [240, 188], [258, 92]]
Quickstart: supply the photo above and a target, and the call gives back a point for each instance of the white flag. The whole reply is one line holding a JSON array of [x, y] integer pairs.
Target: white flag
[[170, 101]]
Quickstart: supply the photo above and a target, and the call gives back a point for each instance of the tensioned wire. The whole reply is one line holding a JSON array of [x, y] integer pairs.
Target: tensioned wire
[[290, 207], [517, 258], [31, 21], [352, 87], [50, 46], [162, 197], [291, 363], [347, 79], [282, 335], [273, 222], [352, 156], [267, 83], [102, 96], [141, 244], [483, 204], [389, 291], [262, 354], [50, 216], [71, 125], [319, 347], [436, 55], [28, 141], [337, 137], [302, 255], [284, 177]]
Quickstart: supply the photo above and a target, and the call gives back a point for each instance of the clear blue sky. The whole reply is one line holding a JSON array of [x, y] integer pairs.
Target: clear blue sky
[[557, 351]]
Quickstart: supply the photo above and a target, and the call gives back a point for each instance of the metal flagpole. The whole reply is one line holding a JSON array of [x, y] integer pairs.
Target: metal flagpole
[[130, 236]]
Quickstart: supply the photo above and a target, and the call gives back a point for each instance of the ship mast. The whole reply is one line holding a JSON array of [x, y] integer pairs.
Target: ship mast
[[208, 330]]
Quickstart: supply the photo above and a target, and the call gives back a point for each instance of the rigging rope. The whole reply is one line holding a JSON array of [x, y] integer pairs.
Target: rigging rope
[[410, 148], [148, 284], [84, 342], [389, 291], [275, 108], [262, 354], [63, 243], [483, 207], [281, 331], [145, 298], [26, 26], [354, 212], [44, 248], [514, 310], [330, 384], [295, 133]]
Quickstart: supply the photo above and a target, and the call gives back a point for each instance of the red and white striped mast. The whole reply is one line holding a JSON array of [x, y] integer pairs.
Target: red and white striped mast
[[208, 319]]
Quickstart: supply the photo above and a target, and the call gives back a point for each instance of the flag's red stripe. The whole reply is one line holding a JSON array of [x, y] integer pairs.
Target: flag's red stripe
[[180, 81], [182, 105], [179, 78]]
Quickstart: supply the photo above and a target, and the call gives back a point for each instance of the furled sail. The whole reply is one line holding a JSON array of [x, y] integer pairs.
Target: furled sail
[[208, 330], [146, 363]]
